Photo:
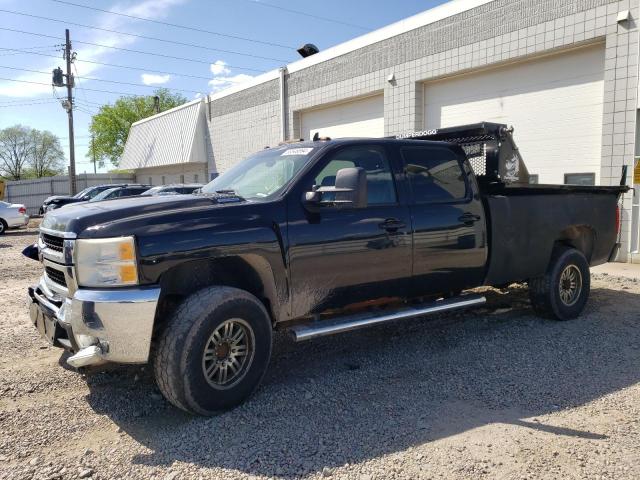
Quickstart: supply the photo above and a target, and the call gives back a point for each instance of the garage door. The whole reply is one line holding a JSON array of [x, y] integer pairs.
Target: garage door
[[358, 118], [554, 103]]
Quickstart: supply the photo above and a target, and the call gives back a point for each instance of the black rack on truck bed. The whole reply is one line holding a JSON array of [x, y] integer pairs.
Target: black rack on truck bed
[[490, 148]]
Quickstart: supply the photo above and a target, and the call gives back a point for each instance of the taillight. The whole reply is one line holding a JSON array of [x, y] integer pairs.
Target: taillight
[[22, 210], [617, 219]]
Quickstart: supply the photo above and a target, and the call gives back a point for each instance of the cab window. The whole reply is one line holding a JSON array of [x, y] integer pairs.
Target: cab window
[[380, 185], [435, 174]]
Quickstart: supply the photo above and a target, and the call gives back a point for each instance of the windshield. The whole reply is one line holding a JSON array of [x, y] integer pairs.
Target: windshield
[[153, 191], [82, 193], [103, 195], [262, 175], [90, 192]]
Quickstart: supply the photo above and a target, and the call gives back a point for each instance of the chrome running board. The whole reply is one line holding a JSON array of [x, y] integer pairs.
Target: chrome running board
[[347, 323]]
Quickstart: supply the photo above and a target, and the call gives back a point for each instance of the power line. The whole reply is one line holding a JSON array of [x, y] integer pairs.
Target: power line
[[192, 45], [141, 52], [42, 48], [176, 25], [100, 80], [21, 100], [87, 89], [128, 67], [298, 12], [49, 102]]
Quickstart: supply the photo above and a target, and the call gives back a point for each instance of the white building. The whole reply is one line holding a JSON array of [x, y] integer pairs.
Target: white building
[[171, 147], [564, 74]]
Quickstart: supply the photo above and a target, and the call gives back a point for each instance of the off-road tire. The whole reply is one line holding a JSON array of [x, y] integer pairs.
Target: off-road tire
[[178, 353], [544, 291]]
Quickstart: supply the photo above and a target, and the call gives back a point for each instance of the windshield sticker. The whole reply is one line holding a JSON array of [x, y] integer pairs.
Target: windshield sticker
[[296, 151]]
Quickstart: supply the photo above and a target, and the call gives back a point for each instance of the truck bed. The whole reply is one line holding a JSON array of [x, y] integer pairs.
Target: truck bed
[[526, 222]]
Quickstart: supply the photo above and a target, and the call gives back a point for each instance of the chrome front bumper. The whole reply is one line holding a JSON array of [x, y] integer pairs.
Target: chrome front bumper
[[98, 325]]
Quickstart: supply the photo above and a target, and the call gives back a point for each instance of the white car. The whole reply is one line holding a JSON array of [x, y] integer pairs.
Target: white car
[[12, 215]]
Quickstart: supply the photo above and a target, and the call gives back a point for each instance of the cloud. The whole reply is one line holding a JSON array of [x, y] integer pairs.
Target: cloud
[[220, 83], [153, 9], [222, 77], [151, 79], [219, 68]]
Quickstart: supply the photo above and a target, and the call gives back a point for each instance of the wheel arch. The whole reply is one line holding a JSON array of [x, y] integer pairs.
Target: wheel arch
[[580, 237], [249, 272]]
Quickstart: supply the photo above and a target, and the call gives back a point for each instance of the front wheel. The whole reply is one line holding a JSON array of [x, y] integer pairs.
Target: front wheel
[[213, 351], [562, 292], [3, 226]]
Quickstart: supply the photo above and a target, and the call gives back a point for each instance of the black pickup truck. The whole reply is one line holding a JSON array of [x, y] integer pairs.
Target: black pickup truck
[[315, 238]]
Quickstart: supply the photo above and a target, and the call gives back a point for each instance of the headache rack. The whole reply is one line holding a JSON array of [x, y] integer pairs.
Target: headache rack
[[490, 148]]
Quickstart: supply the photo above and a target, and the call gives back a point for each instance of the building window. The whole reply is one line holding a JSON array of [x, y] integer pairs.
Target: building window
[[195, 178], [579, 178], [163, 182], [150, 181], [534, 179], [181, 178]]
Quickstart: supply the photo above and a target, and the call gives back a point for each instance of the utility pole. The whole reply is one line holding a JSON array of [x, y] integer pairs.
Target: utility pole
[[72, 149]]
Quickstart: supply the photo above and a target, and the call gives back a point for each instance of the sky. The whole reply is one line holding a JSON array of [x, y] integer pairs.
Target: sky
[[227, 42]]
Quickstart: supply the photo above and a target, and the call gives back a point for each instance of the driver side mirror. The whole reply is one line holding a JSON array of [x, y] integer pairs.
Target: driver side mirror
[[350, 190]]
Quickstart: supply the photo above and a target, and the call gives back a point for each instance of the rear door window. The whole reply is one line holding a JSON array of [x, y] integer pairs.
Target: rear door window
[[435, 174]]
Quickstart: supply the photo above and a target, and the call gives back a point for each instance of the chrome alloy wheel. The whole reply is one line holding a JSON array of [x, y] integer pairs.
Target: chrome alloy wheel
[[228, 353], [570, 285]]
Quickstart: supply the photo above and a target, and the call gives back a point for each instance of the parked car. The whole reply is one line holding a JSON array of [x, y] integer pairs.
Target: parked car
[[85, 195], [12, 215], [177, 189], [120, 192], [313, 238]]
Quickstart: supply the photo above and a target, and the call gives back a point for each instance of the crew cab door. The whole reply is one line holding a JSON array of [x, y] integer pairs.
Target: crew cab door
[[449, 232], [340, 255]]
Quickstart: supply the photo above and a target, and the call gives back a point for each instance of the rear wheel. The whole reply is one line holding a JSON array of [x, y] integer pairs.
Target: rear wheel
[[3, 226], [562, 292], [213, 351]]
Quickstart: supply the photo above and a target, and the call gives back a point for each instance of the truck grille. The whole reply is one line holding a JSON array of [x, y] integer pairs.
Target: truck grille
[[56, 276], [53, 242]]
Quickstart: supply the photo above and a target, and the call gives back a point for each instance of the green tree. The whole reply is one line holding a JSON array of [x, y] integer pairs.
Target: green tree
[[26, 153], [47, 157], [110, 126]]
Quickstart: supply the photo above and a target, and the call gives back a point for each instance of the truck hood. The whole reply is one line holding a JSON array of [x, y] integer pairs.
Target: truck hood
[[77, 218], [57, 198]]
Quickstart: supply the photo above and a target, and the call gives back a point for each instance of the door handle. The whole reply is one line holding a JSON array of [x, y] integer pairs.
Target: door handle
[[469, 218], [392, 225]]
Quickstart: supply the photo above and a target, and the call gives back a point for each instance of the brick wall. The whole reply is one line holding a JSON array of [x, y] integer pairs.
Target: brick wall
[[496, 33]]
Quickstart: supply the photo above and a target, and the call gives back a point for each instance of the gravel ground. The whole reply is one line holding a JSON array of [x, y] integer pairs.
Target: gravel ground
[[495, 393]]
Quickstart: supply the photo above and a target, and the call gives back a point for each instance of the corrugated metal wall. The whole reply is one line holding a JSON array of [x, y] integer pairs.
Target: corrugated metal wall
[[167, 138], [31, 193], [184, 173]]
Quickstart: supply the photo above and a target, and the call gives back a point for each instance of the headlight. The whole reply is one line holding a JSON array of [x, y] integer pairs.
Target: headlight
[[106, 262]]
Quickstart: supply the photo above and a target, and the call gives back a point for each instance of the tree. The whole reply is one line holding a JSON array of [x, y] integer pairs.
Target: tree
[[47, 157], [110, 126], [26, 153], [15, 147]]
